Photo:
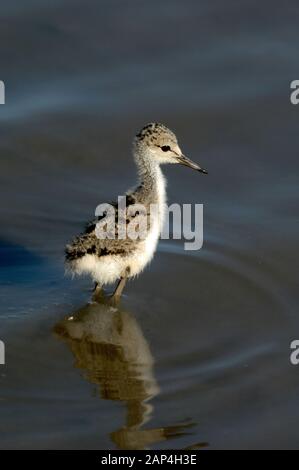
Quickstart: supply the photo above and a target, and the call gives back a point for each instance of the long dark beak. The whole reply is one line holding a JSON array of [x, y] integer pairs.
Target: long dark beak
[[187, 162]]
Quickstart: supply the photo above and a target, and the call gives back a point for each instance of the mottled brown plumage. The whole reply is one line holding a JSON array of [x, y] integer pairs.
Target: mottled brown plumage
[[108, 260]]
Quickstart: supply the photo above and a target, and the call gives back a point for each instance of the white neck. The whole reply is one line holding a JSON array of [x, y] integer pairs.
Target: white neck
[[150, 175], [149, 171]]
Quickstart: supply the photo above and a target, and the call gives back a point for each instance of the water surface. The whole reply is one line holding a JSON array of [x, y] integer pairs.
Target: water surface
[[197, 356]]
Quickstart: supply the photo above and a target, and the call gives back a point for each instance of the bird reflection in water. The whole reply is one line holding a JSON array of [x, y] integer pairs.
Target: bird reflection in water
[[111, 350]]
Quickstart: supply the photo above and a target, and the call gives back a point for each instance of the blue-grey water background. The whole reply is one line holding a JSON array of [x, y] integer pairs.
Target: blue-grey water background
[[201, 350]]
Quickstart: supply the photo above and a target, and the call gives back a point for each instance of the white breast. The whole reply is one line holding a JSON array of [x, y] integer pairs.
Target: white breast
[[147, 248], [108, 269]]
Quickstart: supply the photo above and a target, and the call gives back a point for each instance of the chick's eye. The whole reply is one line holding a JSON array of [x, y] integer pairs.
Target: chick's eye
[[165, 148]]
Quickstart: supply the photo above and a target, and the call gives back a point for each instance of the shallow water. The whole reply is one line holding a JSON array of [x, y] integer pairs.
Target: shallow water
[[197, 356]]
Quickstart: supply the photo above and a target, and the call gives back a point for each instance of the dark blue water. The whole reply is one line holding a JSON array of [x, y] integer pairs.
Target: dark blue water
[[198, 354]]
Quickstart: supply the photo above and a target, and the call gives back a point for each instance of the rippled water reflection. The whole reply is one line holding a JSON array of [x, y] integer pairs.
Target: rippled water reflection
[[111, 350]]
